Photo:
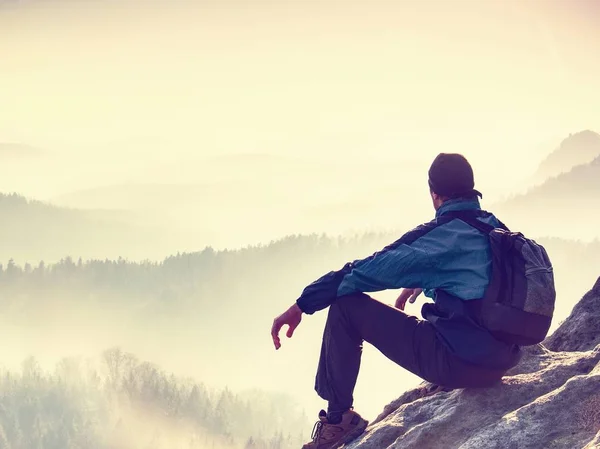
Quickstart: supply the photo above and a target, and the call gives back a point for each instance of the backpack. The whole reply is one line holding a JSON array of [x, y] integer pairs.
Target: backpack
[[518, 304]]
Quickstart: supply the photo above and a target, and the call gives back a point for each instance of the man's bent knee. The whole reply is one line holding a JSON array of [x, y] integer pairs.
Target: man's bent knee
[[352, 300]]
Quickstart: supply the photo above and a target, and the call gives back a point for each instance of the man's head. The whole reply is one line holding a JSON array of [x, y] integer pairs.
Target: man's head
[[450, 177]]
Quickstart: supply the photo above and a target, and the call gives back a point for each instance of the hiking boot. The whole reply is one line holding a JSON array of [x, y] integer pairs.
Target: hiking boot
[[332, 436]]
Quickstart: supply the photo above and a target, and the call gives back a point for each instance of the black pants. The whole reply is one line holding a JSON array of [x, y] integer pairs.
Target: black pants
[[406, 340]]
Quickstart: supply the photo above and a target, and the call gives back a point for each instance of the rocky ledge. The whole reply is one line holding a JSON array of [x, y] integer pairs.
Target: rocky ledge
[[550, 400]]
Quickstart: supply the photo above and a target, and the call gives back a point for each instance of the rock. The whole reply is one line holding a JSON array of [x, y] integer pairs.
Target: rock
[[581, 331], [595, 443], [550, 400]]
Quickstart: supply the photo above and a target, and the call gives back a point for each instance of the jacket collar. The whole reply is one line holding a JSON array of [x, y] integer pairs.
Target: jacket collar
[[458, 204]]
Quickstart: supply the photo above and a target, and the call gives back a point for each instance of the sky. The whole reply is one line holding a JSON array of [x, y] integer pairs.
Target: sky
[[115, 89]]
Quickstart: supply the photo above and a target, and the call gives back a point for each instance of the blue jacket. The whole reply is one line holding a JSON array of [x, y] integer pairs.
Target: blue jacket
[[450, 261]]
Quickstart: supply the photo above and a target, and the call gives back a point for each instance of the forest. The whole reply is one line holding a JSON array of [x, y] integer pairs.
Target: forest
[[178, 312], [118, 401]]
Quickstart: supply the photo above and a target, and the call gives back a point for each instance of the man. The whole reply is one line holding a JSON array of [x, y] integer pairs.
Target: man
[[448, 260]]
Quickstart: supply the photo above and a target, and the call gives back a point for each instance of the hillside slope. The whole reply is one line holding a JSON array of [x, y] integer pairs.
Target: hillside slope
[[32, 231], [563, 206], [577, 149]]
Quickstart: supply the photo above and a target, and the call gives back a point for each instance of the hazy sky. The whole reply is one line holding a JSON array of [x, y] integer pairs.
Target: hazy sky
[[115, 92], [336, 79]]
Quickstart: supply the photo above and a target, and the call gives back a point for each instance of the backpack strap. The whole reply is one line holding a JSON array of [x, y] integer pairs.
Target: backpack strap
[[470, 218], [478, 224]]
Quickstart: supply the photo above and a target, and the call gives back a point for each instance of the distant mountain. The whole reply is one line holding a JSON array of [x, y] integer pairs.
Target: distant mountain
[[32, 231], [583, 180], [565, 206], [245, 198], [132, 196], [577, 149]]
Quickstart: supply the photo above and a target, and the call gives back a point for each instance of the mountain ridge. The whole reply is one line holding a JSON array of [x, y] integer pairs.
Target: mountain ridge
[[573, 193], [577, 149]]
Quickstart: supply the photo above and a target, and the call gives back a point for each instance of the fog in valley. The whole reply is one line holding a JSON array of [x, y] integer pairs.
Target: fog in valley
[[174, 173]]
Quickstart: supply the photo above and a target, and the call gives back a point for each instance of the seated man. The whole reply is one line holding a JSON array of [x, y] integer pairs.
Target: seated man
[[447, 259]]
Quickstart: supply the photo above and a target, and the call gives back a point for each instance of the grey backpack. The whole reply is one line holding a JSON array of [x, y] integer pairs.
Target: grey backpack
[[518, 304]]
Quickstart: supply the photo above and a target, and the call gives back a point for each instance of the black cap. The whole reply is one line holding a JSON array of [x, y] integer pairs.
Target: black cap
[[451, 176]]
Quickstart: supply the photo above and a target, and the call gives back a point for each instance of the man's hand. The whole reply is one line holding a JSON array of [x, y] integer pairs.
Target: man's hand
[[407, 294], [292, 318]]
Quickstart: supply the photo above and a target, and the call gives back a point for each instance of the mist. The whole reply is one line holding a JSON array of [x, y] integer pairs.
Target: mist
[[173, 174]]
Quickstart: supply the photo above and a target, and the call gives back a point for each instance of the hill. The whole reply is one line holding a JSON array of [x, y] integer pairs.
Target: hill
[[32, 231], [577, 149], [563, 206], [234, 200]]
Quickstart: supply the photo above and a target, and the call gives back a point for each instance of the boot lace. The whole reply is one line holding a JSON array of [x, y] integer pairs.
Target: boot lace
[[316, 432]]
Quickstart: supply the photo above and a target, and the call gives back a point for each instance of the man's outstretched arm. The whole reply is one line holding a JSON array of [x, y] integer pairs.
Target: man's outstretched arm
[[409, 262]]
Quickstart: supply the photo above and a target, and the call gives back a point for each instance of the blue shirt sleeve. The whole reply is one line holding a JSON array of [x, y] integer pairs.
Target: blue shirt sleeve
[[404, 266], [409, 262]]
